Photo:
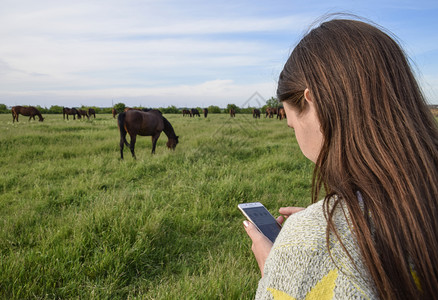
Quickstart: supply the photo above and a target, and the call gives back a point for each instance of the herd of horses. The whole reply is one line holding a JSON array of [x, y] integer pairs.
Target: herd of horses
[[142, 122], [31, 112], [271, 111], [78, 112], [194, 112]]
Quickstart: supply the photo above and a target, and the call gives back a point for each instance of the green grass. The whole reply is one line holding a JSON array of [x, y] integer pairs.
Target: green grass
[[76, 222]]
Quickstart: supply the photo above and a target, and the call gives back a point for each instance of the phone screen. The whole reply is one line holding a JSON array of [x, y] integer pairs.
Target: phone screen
[[261, 218]]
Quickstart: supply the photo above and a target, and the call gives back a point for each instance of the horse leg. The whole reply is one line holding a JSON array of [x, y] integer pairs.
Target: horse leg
[[122, 143], [154, 141], [132, 144]]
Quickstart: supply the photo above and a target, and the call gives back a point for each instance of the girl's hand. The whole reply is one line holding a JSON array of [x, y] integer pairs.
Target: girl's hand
[[286, 212], [261, 245]]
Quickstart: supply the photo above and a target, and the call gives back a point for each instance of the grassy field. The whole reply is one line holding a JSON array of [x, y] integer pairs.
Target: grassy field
[[76, 222]]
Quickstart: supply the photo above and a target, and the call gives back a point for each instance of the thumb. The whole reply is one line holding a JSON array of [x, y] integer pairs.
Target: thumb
[[251, 230]]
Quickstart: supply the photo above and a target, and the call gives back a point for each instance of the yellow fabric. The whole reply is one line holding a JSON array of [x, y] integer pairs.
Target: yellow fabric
[[321, 291], [279, 295]]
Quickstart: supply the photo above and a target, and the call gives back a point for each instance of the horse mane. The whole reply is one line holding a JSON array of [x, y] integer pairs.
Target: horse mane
[[168, 128]]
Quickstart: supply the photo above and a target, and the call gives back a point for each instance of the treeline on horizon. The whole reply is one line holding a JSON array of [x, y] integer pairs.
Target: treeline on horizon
[[119, 107], [272, 102]]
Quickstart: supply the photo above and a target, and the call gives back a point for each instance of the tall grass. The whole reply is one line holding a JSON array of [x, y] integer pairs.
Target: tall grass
[[76, 222]]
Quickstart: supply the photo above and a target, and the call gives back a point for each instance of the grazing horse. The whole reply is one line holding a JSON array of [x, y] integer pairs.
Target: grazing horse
[[205, 111], [281, 113], [194, 112], [92, 112], [150, 123], [267, 111], [29, 111], [70, 111], [83, 113], [186, 112], [232, 113], [114, 111], [270, 111], [256, 113]]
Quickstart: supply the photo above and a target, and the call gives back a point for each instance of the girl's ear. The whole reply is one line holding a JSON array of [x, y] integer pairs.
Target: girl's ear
[[308, 96]]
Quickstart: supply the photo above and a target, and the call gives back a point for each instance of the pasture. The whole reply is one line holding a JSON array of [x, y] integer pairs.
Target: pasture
[[77, 222]]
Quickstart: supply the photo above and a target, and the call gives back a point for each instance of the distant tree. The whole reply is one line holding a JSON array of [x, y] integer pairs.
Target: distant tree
[[273, 102], [43, 110], [103, 110], [247, 110], [4, 109], [119, 107], [233, 106], [212, 109], [55, 109], [170, 110]]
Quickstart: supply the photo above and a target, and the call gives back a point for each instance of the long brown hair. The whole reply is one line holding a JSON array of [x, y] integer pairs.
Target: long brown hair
[[380, 142]]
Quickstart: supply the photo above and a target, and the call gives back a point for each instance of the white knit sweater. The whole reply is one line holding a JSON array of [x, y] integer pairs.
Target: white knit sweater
[[299, 265]]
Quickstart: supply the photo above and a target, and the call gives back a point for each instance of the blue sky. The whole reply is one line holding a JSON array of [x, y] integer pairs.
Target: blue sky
[[182, 53]]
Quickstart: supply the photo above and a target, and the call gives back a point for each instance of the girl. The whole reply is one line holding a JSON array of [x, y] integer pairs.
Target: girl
[[358, 113]]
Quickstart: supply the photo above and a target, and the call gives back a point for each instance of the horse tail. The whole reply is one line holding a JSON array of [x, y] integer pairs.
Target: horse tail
[[121, 123]]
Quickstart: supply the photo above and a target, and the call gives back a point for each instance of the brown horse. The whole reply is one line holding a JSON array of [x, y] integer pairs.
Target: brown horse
[[114, 111], [256, 113], [70, 111], [92, 112], [205, 111], [270, 111], [232, 113], [150, 123], [186, 112], [29, 111], [84, 113], [281, 113]]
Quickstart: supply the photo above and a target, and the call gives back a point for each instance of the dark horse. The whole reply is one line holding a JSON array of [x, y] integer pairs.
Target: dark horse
[[194, 112], [29, 111], [83, 113], [92, 112], [186, 112], [70, 111], [205, 111], [256, 113], [144, 123]]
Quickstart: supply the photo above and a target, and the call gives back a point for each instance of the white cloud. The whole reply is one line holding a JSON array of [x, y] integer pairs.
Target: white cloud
[[215, 92], [55, 51]]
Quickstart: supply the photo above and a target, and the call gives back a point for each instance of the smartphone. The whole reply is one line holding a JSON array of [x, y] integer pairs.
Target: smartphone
[[257, 214]]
